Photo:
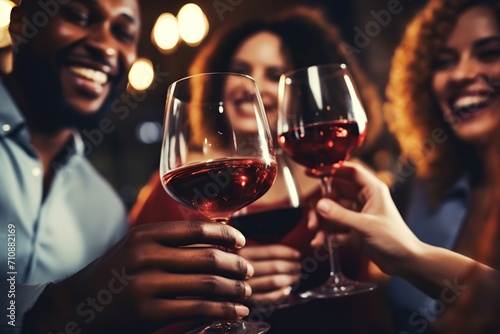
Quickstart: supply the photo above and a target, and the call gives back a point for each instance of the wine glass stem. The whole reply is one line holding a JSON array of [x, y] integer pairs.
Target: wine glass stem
[[332, 243]]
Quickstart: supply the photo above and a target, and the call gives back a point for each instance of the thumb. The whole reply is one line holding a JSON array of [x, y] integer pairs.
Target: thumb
[[337, 214]]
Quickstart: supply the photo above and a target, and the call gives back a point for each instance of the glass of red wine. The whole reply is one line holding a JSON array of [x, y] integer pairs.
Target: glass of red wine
[[271, 218], [217, 154], [321, 122]]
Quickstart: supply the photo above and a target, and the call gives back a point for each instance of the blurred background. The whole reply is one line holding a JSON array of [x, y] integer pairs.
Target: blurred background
[[128, 154]]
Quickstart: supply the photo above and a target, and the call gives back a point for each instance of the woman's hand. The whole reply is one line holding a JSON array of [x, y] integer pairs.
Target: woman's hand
[[377, 227], [375, 223], [148, 280], [277, 269]]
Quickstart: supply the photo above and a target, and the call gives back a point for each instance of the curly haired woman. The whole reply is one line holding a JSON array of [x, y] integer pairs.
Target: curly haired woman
[[444, 107]]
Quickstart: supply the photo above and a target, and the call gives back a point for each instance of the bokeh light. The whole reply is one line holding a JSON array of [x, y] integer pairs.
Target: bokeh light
[[193, 24], [5, 9], [148, 132], [141, 74], [165, 33]]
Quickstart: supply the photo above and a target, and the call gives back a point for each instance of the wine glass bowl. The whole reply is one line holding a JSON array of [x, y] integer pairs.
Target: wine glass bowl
[[321, 122], [322, 119], [217, 154]]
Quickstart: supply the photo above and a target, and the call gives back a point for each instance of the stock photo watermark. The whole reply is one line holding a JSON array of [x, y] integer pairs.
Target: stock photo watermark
[[421, 318], [11, 274], [87, 310], [223, 6], [381, 20], [39, 19]]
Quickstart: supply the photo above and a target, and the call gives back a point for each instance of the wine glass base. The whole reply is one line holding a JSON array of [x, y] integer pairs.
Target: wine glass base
[[233, 327], [340, 288]]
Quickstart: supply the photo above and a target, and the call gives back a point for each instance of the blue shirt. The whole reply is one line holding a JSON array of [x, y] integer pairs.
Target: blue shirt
[[47, 240], [412, 309]]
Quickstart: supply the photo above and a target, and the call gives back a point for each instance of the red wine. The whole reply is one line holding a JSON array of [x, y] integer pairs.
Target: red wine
[[221, 187], [322, 146], [268, 226]]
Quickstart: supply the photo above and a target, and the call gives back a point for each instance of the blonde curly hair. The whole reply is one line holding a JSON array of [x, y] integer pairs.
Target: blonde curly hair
[[411, 110]]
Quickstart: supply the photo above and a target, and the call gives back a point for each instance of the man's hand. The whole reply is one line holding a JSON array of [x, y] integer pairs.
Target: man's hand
[[148, 280]]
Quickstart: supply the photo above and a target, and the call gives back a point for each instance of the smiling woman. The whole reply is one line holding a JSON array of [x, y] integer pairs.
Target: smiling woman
[[467, 69], [444, 80]]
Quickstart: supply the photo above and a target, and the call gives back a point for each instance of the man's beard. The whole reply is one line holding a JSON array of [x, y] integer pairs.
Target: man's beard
[[50, 112]]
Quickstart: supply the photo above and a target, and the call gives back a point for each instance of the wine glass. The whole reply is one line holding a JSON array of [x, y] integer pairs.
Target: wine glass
[[321, 121], [211, 161], [269, 223]]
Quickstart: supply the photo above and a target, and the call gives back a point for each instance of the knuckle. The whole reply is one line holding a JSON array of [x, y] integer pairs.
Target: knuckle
[[240, 289], [277, 267], [136, 259], [241, 266], [228, 310], [210, 283], [197, 228], [209, 257], [136, 235], [227, 233], [203, 308], [276, 281]]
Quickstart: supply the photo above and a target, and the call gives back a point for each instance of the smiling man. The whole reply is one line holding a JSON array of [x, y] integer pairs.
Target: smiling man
[[56, 221]]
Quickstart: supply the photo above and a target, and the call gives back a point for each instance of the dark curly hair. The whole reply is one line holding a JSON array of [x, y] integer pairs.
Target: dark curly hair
[[307, 39], [412, 112]]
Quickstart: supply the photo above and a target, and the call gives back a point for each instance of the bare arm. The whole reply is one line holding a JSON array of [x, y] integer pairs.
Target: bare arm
[[378, 228]]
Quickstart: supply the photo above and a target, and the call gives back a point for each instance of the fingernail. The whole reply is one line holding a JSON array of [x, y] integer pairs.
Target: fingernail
[[323, 206], [241, 311], [240, 240], [248, 290], [250, 270], [287, 291], [296, 254]]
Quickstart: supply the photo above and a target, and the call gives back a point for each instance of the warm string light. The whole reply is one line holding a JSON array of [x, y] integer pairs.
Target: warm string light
[[165, 33], [190, 25], [141, 75], [193, 24], [5, 9]]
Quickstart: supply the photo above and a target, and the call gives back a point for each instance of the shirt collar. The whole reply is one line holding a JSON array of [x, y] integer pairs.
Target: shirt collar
[[78, 143], [10, 115], [11, 118]]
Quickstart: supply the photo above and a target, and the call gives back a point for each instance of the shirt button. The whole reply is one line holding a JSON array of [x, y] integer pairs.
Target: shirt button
[[6, 127], [36, 171]]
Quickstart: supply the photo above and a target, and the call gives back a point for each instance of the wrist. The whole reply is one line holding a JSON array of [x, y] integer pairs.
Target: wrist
[[414, 259]]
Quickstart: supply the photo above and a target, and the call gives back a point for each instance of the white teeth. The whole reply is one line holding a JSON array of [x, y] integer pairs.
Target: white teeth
[[90, 74], [469, 101], [246, 107]]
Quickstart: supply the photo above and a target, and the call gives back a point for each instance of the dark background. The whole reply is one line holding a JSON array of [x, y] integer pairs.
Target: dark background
[[128, 163]]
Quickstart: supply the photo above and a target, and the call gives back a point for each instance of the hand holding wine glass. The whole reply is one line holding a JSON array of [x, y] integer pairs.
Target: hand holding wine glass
[[268, 222], [212, 162], [321, 123]]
